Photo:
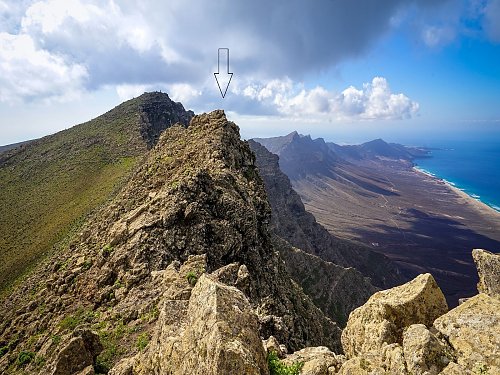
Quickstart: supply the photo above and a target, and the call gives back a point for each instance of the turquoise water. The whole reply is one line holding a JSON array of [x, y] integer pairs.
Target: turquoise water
[[471, 166]]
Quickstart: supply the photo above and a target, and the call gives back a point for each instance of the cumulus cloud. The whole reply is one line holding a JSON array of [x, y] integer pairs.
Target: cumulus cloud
[[374, 101], [29, 72], [147, 42]]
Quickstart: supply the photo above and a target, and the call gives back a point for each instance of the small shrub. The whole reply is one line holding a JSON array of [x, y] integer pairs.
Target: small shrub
[[39, 361], [192, 278], [107, 250], [24, 358], [142, 341], [3, 350], [56, 339], [80, 316], [480, 369], [276, 367]]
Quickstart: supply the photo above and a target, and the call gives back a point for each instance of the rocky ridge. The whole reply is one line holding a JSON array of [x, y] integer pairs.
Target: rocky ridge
[[196, 206]]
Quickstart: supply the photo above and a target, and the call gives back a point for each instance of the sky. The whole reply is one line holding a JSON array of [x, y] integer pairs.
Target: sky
[[345, 70]]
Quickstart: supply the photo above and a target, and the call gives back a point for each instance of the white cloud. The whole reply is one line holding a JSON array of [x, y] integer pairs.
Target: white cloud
[[183, 92], [435, 36], [126, 92], [29, 72], [375, 101], [134, 42]]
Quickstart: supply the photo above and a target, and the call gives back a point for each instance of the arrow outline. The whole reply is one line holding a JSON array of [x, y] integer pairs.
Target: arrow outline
[[218, 72]]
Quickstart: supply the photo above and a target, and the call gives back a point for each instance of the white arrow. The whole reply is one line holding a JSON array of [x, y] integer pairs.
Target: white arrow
[[223, 79]]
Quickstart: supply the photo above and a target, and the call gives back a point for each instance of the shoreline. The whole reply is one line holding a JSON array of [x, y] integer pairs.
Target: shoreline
[[475, 202]]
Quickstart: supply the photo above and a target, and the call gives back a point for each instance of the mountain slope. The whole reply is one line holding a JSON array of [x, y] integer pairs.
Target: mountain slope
[[293, 223], [48, 185], [180, 261]]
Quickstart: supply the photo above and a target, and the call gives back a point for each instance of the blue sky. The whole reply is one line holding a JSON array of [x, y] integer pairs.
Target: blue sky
[[348, 71]]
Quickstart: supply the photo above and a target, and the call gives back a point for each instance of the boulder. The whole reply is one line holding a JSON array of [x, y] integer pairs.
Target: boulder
[[79, 354], [387, 313], [473, 330], [488, 269], [217, 333], [221, 335], [424, 353], [73, 358], [317, 360]]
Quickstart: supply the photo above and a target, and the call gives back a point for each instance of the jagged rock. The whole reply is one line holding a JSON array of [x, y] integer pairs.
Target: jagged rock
[[79, 355], [272, 345], [89, 370], [424, 353], [388, 359], [453, 369], [317, 360], [473, 330], [387, 313], [220, 336], [488, 269]]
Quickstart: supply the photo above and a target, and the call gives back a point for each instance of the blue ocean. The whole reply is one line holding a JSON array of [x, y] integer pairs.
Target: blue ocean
[[471, 166]]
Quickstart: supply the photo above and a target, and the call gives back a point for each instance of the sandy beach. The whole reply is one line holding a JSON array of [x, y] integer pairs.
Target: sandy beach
[[476, 204]]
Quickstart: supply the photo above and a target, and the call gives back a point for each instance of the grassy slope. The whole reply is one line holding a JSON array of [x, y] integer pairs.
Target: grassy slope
[[48, 186]]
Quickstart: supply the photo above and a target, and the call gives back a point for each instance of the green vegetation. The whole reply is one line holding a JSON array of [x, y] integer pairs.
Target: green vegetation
[[480, 369], [192, 278], [39, 361], [81, 316], [24, 358], [56, 339], [110, 339], [49, 186], [142, 341], [107, 250], [4, 349], [276, 367]]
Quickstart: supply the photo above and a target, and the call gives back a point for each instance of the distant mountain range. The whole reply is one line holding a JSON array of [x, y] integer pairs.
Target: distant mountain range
[[370, 194]]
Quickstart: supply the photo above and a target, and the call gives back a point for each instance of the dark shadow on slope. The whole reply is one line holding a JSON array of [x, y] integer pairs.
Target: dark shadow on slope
[[435, 244]]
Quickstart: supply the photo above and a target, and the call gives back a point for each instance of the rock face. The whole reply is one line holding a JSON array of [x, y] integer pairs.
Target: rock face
[[334, 289], [424, 352], [79, 354], [473, 330], [316, 361], [383, 318], [488, 268], [290, 221]]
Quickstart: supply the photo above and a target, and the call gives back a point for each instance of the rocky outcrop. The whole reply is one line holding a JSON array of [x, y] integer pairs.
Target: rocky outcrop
[[219, 335], [488, 269], [424, 352], [79, 354], [387, 313], [316, 361], [473, 331]]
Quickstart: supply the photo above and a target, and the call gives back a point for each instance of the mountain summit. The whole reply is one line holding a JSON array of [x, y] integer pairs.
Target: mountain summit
[[49, 185]]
